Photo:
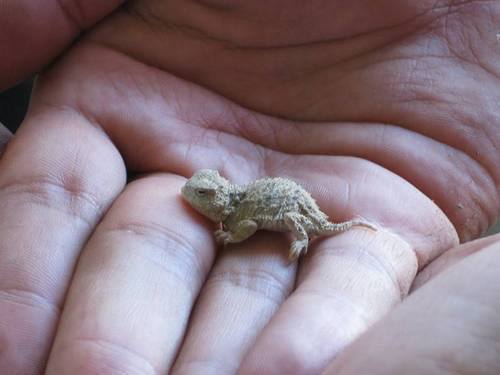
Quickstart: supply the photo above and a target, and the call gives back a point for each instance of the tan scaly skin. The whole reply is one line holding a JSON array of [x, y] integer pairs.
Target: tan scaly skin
[[276, 204], [390, 107]]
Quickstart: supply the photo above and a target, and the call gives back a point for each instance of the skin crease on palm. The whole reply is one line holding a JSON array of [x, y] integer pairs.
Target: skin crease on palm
[[382, 109]]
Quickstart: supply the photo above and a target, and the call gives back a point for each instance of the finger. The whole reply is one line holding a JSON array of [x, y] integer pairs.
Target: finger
[[352, 279], [135, 284], [162, 150], [247, 285], [32, 33], [341, 291], [450, 258], [57, 177], [449, 326], [5, 136]]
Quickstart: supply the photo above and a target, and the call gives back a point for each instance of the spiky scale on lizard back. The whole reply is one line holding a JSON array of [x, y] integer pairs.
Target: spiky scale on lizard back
[[277, 204], [273, 197]]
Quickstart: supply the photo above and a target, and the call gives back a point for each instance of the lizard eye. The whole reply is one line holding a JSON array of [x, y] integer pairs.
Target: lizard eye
[[201, 192]]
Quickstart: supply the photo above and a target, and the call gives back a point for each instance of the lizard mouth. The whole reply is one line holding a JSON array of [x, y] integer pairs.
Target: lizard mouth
[[184, 192]]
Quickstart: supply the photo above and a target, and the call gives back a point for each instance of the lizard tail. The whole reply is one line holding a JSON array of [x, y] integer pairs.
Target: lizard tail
[[330, 228]]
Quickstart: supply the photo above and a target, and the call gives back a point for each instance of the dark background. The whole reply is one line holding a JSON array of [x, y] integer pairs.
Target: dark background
[[13, 104]]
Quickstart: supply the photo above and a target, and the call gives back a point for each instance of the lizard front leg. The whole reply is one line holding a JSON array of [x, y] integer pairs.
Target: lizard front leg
[[240, 232]]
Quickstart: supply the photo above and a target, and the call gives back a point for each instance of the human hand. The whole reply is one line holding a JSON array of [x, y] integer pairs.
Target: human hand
[[115, 102]]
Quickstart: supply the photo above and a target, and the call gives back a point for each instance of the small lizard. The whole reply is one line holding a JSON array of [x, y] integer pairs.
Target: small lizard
[[276, 204]]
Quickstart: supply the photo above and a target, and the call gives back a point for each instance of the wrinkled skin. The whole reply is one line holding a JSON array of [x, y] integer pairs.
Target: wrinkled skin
[[383, 109]]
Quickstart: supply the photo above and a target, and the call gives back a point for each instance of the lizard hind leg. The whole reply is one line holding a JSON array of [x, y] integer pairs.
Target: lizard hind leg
[[294, 223]]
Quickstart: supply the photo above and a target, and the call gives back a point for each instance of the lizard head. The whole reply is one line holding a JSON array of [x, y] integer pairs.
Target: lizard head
[[209, 194]]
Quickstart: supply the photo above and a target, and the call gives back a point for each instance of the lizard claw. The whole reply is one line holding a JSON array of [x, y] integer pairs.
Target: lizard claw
[[297, 249], [222, 237]]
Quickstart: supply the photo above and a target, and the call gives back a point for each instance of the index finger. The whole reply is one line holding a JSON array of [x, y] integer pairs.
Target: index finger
[[57, 178]]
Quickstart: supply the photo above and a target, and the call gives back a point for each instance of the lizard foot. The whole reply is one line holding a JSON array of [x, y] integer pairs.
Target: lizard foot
[[222, 237], [297, 248]]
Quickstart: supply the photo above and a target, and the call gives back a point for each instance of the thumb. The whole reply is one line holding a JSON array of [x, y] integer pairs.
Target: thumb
[[33, 32]]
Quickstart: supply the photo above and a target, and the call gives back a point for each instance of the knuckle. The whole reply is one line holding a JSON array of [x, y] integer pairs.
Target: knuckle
[[167, 248], [28, 299], [68, 195], [100, 356], [255, 280], [27, 320]]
